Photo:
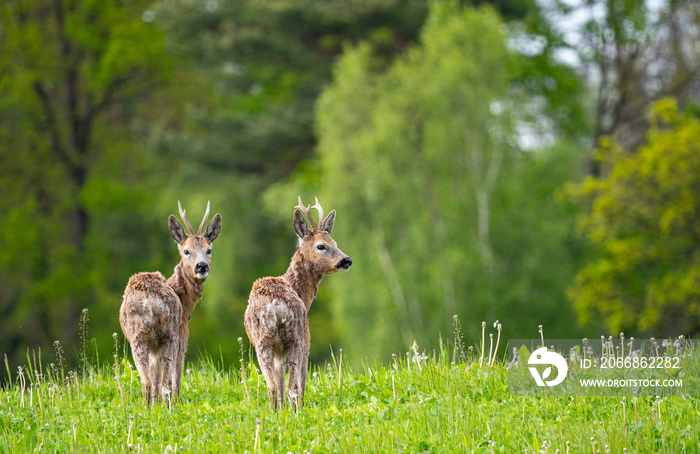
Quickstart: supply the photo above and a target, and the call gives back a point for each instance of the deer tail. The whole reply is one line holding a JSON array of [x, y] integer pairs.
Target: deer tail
[[276, 315]]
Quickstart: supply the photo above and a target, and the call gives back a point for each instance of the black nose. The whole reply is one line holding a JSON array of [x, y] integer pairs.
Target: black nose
[[201, 267], [345, 263]]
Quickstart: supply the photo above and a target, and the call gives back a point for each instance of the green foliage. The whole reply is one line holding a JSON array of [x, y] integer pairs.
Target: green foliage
[[74, 184], [445, 212], [101, 133], [248, 77], [630, 56], [441, 407], [260, 68], [642, 215]]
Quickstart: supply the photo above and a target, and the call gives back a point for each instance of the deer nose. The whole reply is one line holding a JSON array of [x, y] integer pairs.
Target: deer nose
[[345, 263], [201, 268]]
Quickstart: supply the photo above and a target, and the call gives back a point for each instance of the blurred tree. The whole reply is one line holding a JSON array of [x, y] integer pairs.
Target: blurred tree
[[642, 212], [634, 52], [70, 62], [72, 76], [87, 171], [250, 73], [266, 63], [259, 67], [423, 159]]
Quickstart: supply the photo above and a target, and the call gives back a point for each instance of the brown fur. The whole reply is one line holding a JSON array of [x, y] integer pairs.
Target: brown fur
[[276, 317], [149, 311], [155, 312]]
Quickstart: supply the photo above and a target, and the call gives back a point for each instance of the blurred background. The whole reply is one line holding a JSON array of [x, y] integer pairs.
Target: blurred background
[[534, 162]]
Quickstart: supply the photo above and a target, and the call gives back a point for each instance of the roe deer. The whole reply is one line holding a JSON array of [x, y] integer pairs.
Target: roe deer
[[155, 312], [276, 317]]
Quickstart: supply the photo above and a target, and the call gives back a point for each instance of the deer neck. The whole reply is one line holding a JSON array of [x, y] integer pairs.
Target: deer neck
[[187, 288], [303, 279]]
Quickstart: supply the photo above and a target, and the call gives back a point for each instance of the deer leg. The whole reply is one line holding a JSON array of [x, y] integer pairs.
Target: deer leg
[[279, 380], [169, 358], [303, 373], [175, 375], [180, 347], [175, 371], [297, 366], [140, 353], [266, 360], [155, 365], [165, 382]]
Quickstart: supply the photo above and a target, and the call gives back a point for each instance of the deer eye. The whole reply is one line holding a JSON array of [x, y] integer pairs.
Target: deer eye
[[321, 247], [186, 252]]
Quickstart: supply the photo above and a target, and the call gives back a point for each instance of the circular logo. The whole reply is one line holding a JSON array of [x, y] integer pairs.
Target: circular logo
[[552, 359]]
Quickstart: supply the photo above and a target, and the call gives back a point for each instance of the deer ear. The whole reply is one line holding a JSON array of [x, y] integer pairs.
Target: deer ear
[[328, 222], [176, 230], [214, 228], [300, 225]]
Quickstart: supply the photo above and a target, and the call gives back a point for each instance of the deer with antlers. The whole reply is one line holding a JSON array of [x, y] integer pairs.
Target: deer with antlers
[[276, 318], [155, 312]]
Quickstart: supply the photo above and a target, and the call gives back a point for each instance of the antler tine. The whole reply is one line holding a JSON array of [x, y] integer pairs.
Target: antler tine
[[204, 221], [307, 211], [183, 215], [320, 212]]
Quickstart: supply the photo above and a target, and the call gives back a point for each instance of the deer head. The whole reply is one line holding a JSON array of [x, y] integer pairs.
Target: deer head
[[315, 243], [195, 249]]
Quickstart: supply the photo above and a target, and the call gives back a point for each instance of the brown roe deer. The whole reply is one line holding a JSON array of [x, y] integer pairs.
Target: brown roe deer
[[276, 318], [155, 312]]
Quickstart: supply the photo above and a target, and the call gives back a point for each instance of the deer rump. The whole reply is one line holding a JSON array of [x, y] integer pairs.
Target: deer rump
[[150, 318], [276, 316]]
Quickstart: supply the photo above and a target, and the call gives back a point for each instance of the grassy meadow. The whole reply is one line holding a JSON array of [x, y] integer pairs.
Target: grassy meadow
[[438, 401]]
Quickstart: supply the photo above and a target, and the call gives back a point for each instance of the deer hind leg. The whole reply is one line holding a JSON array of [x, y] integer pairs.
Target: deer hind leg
[[279, 379], [169, 379], [140, 353], [298, 362], [178, 366], [155, 366], [302, 374], [266, 360]]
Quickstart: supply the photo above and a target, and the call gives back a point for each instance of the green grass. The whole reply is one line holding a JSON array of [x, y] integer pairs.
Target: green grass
[[392, 407]]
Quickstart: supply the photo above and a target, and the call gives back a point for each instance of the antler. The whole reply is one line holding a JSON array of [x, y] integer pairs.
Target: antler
[[320, 212], [183, 215], [307, 211], [204, 221]]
